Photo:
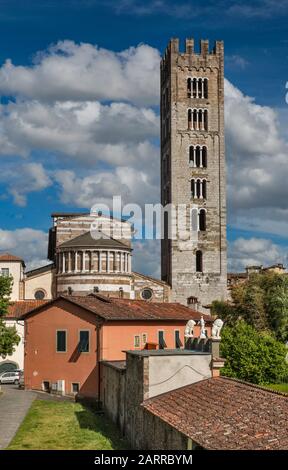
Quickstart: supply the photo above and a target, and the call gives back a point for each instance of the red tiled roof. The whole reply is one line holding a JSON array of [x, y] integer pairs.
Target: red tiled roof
[[19, 308], [120, 309], [223, 413], [10, 257]]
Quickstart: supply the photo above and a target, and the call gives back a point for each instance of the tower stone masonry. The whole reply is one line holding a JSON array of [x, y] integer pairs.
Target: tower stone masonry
[[193, 171]]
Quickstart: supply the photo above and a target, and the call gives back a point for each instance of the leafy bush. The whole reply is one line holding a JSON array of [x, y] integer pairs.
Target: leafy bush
[[253, 356]]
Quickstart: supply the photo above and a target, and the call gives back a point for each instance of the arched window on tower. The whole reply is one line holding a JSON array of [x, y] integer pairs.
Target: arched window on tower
[[190, 119], [198, 189], [202, 220], [205, 87], [193, 188], [194, 87], [204, 189], [191, 155], [204, 156], [198, 156], [206, 120], [189, 87], [199, 261]]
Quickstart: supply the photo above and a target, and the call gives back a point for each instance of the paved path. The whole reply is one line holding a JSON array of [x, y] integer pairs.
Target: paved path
[[14, 404]]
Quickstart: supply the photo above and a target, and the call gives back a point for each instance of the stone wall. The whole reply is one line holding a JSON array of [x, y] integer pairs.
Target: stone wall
[[161, 290], [113, 389], [158, 435], [68, 227]]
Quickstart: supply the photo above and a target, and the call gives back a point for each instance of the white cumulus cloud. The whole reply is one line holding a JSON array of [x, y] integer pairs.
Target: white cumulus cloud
[[69, 71]]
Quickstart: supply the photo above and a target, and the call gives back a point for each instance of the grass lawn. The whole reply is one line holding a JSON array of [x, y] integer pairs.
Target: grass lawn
[[65, 425], [279, 387]]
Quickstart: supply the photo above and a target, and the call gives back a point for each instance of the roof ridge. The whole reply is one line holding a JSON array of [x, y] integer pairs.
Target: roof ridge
[[260, 387]]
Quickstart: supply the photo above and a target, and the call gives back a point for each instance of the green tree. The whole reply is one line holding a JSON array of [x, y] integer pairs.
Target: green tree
[[254, 356], [8, 335], [262, 301], [276, 300]]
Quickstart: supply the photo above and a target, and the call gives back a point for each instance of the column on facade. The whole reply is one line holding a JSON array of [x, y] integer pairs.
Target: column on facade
[[197, 120], [122, 262], [63, 262], [194, 156], [197, 88], [108, 261], [100, 261], [83, 256], [58, 262], [119, 261], [114, 261], [201, 189], [129, 263], [201, 157], [202, 87], [195, 188]]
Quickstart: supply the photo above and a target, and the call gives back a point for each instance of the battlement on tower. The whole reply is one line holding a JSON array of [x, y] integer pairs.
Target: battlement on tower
[[189, 50]]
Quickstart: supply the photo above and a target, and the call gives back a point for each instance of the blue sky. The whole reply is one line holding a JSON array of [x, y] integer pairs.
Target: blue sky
[[256, 51]]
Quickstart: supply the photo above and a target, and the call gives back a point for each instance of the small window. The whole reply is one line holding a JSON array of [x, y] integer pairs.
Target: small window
[[199, 261], [202, 220], [146, 294], [84, 341], [161, 341], [5, 272], [61, 341], [144, 338], [137, 341], [75, 387], [178, 343], [39, 294]]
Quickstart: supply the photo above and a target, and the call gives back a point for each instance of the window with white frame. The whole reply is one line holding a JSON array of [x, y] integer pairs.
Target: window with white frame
[[198, 119], [197, 87], [137, 341], [198, 156], [5, 272], [198, 220], [84, 341], [198, 188]]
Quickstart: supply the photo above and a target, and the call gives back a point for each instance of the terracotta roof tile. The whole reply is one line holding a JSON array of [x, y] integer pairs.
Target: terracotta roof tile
[[17, 309], [222, 413], [120, 309], [10, 257], [124, 309]]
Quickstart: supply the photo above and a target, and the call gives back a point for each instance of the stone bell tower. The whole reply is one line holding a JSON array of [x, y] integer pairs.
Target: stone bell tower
[[193, 171]]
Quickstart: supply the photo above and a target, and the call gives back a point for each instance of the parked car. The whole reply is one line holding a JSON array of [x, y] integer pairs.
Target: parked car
[[10, 378], [21, 380]]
